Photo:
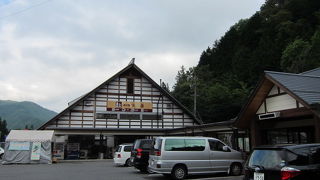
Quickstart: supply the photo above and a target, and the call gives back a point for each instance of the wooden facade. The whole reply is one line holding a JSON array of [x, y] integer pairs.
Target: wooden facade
[[128, 106], [129, 100]]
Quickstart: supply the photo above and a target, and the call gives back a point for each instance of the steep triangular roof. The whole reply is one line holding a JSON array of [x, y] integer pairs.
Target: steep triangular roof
[[129, 67]]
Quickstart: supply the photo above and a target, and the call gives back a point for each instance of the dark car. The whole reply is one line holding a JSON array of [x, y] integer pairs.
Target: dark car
[[140, 154], [284, 162]]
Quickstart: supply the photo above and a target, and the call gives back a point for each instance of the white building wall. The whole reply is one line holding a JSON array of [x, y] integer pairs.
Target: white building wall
[[277, 101], [83, 115], [261, 110], [281, 102]]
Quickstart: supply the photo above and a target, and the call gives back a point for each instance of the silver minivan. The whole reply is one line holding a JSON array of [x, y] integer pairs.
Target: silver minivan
[[182, 156]]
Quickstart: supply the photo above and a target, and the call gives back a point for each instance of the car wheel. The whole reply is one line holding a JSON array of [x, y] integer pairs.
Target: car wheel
[[235, 169], [1, 156], [128, 162], [179, 172]]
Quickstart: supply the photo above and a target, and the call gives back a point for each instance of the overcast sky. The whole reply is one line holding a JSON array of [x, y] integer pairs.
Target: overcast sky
[[54, 51]]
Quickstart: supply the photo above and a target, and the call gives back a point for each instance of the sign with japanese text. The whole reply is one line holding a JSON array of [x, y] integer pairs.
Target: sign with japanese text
[[129, 106]]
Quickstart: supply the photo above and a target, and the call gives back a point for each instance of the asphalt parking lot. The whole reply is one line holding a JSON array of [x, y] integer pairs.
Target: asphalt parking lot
[[85, 170]]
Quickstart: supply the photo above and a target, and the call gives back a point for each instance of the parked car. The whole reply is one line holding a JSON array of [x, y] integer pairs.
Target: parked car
[[140, 154], [284, 162], [122, 154], [181, 156], [1, 152]]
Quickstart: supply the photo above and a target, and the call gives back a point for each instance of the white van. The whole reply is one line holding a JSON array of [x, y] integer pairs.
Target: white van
[[122, 154], [182, 156]]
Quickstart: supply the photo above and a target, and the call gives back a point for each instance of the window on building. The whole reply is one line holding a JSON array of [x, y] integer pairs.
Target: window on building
[[151, 117], [106, 116], [130, 116], [130, 86], [290, 135], [243, 144]]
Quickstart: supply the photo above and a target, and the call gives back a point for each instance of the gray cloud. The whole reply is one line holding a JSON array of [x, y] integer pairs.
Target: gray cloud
[[59, 50]]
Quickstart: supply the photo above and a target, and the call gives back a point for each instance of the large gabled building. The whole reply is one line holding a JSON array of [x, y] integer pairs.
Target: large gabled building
[[127, 106], [284, 108]]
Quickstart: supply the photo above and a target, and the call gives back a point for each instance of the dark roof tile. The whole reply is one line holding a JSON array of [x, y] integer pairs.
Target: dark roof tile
[[305, 86], [313, 72]]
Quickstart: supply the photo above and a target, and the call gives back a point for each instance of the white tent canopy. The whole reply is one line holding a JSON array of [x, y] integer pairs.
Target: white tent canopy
[[30, 136], [28, 146]]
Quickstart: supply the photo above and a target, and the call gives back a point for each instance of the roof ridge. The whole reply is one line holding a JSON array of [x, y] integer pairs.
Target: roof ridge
[[291, 74], [312, 70]]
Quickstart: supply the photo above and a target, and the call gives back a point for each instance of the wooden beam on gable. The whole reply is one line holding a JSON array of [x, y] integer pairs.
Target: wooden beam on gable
[[255, 100], [287, 90]]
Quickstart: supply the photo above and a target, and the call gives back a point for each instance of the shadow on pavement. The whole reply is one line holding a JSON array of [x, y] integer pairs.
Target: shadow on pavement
[[214, 176]]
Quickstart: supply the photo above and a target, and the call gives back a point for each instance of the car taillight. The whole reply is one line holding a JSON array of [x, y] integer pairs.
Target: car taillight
[[139, 153], [288, 173], [119, 155], [157, 153]]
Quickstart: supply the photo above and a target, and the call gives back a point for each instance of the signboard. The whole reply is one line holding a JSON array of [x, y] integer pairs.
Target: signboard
[[58, 150], [129, 106], [73, 150], [19, 146], [35, 151]]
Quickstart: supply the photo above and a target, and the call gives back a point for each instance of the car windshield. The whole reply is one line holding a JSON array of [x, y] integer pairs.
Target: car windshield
[[143, 144], [304, 156], [270, 159], [127, 148], [156, 144], [118, 149]]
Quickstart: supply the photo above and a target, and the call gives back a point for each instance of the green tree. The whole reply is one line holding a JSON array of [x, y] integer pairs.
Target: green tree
[[294, 57], [283, 36], [213, 95], [3, 129], [183, 89], [313, 60]]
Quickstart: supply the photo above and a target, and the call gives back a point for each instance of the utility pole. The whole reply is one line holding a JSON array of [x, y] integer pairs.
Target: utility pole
[[195, 96]]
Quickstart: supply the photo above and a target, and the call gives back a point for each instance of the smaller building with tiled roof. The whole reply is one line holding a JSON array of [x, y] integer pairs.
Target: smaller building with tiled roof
[[284, 108]]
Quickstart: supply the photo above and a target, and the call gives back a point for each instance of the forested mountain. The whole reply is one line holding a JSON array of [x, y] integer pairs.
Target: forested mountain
[[20, 115], [283, 36]]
